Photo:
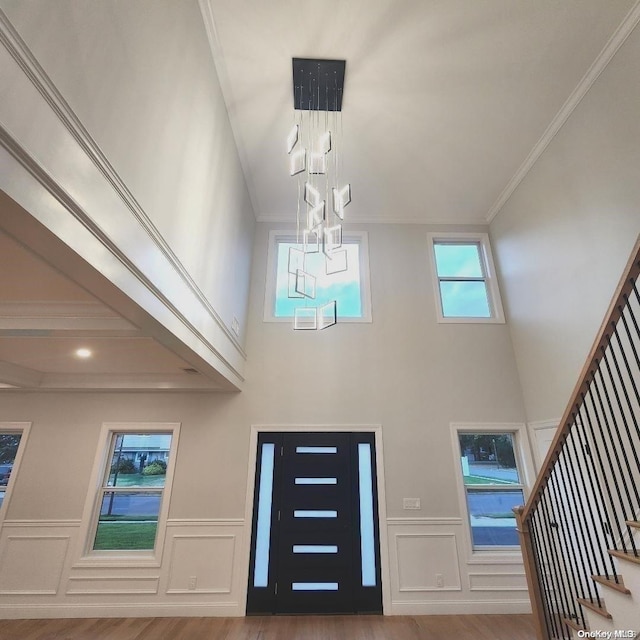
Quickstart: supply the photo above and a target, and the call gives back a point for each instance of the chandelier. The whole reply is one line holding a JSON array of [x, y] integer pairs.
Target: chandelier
[[313, 146]]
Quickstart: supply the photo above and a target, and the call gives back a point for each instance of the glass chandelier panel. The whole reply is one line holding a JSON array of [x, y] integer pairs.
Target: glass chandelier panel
[[313, 145]]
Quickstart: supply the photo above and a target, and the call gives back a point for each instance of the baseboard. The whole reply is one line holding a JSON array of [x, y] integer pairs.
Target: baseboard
[[137, 610], [458, 607], [234, 610]]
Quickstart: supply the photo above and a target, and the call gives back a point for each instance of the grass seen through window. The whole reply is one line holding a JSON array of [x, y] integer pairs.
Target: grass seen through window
[[131, 494], [121, 534]]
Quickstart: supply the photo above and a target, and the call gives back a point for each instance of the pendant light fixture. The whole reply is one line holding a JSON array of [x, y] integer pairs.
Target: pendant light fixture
[[314, 146]]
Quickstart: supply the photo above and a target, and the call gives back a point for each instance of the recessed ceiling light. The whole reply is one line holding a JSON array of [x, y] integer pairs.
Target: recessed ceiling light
[[83, 353]]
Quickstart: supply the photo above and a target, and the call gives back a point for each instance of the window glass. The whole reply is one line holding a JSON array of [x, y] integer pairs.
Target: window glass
[[466, 299], [132, 492], [492, 487], [128, 520], [139, 460], [9, 443], [464, 278], [458, 260], [367, 535], [263, 534], [344, 287]]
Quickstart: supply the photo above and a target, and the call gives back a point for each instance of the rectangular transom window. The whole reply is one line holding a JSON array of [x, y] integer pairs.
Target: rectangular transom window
[[492, 487], [349, 286], [464, 278], [130, 498]]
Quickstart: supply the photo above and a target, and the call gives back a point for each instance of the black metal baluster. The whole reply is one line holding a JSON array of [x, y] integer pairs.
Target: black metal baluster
[[601, 517], [623, 382], [628, 331], [540, 562], [632, 315], [630, 479], [560, 587], [614, 446], [623, 417], [603, 479], [610, 472], [571, 563], [584, 550]]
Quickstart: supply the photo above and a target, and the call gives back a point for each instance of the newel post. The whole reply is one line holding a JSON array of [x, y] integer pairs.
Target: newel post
[[533, 584]]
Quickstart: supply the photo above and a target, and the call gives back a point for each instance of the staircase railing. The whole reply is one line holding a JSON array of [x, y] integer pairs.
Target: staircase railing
[[586, 498]]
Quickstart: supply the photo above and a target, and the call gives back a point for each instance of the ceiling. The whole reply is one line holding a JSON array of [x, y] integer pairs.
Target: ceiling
[[45, 318], [446, 102]]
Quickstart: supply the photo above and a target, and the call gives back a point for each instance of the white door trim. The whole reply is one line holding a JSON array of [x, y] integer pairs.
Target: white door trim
[[256, 429]]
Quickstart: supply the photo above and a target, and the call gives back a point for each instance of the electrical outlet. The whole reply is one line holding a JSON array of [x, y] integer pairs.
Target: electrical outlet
[[235, 326], [193, 581], [439, 580], [411, 503]]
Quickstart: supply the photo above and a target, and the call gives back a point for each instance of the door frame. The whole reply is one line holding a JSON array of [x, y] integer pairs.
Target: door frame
[[376, 429]]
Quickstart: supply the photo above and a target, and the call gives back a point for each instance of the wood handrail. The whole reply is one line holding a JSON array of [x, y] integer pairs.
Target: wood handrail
[[624, 288]]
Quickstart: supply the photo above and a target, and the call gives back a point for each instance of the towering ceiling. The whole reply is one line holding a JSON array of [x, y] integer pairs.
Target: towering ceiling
[[444, 100]]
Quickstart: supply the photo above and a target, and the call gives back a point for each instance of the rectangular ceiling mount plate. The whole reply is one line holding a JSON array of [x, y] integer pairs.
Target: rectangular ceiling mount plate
[[318, 85]]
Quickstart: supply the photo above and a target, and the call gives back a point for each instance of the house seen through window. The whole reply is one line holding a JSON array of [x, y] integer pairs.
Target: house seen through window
[[131, 494]]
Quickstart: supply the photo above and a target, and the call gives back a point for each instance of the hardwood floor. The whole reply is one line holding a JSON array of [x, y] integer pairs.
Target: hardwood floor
[[463, 627]]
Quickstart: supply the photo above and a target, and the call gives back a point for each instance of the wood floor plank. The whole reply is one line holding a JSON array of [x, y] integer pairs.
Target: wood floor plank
[[462, 627]]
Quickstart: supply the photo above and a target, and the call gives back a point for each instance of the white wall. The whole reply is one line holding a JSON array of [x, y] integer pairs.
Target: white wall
[[563, 238], [116, 112], [42, 534], [403, 371], [414, 377]]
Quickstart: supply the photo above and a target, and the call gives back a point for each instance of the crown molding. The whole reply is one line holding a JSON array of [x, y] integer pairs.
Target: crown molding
[[284, 219], [599, 65], [23, 379], [126, 382], [52, 318], [55, 309], [21, 53]]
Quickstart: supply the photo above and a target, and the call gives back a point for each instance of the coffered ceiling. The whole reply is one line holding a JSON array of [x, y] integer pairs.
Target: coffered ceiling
[[45, 318], [446, 103]]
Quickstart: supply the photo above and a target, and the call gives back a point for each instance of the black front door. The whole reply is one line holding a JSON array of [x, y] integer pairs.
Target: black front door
[[315, 527]]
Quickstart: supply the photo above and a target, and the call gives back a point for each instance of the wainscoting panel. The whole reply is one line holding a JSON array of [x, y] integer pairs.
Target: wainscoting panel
[[199, 574], [433, 572], [498, 582], [202, 563], [112, 585], [203, 572], [424, 559], [32, 564]]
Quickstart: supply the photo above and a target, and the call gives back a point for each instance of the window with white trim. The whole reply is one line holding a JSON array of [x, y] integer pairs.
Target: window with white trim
[[130, 509], [349, 287], [492, 482], [465, 284], [12, 440]]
